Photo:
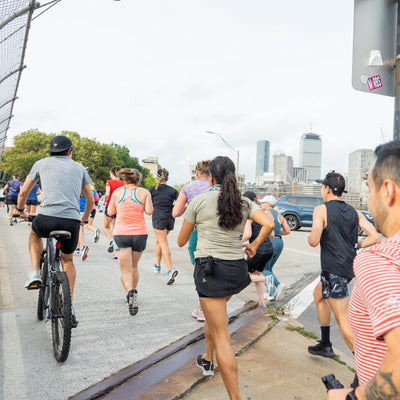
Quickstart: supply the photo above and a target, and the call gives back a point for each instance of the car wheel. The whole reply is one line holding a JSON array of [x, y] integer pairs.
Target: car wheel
[[292, 221]]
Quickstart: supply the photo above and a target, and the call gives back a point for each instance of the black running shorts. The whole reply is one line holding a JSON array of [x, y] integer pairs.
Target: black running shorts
[[257, 263], [135, 242], [164, 223], [42, 225], [12, 200], [32, 202], [334, 286]]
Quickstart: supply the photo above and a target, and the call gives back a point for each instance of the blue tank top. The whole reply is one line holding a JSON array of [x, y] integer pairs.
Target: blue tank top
[[277, 229], [339, 238]]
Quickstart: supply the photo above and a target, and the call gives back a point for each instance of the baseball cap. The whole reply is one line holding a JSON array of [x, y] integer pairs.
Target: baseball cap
[[250, 195], [59, 144], [335, 181], [268, 199], [16, 176]]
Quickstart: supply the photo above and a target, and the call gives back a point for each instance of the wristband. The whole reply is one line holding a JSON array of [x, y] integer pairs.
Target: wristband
[[351, 395], [20, 209], [84, 222]]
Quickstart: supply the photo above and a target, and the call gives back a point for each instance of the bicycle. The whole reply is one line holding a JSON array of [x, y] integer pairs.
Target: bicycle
[[54, 300]]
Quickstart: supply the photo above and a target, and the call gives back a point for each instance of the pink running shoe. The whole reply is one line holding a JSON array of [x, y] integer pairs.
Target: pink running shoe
[[198, 313]]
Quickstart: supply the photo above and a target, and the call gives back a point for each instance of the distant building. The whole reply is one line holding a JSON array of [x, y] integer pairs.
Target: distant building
[[283, 167], [267, 179], [300, 174], [262, 160], [151, 163], [310, 155], [360, 162], [241, 182]]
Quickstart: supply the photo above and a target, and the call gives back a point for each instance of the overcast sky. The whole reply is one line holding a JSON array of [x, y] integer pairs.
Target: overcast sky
[[155, 75]]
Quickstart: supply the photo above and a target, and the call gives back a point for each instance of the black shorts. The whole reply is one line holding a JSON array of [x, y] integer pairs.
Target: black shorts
[[135, 242], [32, 202], [110, 216], [164, 223], [257, 263], [334, 286], [93, 213], [42, 225], [214, 277], [2, 198], [12, 200]]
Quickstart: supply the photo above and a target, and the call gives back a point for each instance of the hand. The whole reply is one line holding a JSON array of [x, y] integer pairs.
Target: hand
[[249, 250], [338, 394]]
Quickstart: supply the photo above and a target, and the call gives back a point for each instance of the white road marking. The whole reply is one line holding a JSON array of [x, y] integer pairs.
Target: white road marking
[[302, 252]]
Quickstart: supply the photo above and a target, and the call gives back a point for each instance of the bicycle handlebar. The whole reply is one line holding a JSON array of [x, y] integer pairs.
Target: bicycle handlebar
[[30, 217], [331, 382]]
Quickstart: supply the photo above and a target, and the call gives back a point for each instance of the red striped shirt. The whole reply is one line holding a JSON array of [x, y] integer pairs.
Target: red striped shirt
[[375, 304]]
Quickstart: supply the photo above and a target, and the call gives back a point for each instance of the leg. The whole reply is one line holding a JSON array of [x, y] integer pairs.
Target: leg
[[90, 225], [158, 251], [35, 249], [107, 227], [135, 270], [33, 210], [81, 240], [69, 268], [128, 263], [259, 279], [217, 323], [161, 238], [340, 307], [324, 312]]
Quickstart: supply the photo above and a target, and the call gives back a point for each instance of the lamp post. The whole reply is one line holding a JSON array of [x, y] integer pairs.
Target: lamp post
[[235, 151]]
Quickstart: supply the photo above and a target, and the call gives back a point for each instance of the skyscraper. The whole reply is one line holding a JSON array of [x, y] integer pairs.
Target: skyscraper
[[262, 161], [310, 155], [360, 162], [283, 167]]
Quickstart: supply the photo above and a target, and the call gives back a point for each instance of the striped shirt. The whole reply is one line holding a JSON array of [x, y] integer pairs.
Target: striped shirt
[[192, 189], [375, 304]]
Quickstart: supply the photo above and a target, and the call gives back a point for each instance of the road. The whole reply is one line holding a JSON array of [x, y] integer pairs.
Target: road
[[107, 338]]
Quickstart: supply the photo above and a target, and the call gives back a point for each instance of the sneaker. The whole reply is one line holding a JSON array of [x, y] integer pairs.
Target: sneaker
[[74, 321], [131, 297], [11, 222], [156, 269], [206, 366], [271, 289], [321, 350], [85, 251], [262, 305], [110, 247], [97, 236], [280, 292], [172, 273], [115, 257], [198, 313], [34, 279], [77, 251]]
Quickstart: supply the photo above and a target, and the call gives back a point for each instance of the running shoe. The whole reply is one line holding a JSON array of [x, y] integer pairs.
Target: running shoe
[[156, 269], [11, 222], [74, 321], [280, 291], [198, 313], [77, 251], [270, 292], [34, 279], [110, 247], [322, 350], [85, 250], [131, 297], [171, 275], [206, 366], [115, 257], [97, 236]]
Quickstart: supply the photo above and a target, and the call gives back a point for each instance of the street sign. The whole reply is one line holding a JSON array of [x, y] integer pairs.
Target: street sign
[[374, 46]]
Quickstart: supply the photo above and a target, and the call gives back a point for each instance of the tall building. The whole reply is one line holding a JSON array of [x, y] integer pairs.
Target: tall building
[[151, 163], [310, 155], [360, 162], [262, 161], [283, 168], [300, 174]]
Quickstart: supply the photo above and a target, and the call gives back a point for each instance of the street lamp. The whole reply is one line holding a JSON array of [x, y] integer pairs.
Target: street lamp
[[235, 151]]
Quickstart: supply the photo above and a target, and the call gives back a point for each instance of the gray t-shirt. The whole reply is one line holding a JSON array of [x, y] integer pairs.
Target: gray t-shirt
[[213, 240], [61, 180]]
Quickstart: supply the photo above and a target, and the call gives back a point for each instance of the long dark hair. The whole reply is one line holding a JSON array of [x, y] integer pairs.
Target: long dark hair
[[230, 203]]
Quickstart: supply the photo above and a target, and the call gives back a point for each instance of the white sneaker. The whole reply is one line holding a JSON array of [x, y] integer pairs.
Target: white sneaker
[[280, 291], [97, 236], [34, 279], [271, 289]]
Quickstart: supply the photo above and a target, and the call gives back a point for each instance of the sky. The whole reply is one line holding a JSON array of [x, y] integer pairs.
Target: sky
[[155, 75]]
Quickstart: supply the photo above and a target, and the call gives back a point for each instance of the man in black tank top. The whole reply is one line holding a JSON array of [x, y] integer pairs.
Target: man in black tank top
[[335, 229]]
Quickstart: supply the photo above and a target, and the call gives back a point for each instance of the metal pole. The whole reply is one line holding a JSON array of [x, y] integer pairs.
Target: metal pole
[[396, 126]]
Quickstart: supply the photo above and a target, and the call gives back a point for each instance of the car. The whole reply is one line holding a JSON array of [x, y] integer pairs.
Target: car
[[298, 211], [101, 205]]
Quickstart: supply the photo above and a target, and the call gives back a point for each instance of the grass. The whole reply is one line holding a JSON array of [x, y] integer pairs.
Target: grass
[[302, 331]]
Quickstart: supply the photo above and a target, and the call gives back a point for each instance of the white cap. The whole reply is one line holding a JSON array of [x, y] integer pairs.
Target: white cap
[[268, 199]]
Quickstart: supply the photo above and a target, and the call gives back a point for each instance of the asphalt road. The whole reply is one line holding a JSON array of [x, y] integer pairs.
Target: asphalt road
[[108, 338]]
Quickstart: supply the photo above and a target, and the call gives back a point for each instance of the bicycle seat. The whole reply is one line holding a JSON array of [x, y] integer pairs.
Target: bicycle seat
[[60, 235]]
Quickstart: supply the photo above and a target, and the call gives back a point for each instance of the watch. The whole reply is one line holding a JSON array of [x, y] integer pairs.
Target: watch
[[351, 395], [20, 209]]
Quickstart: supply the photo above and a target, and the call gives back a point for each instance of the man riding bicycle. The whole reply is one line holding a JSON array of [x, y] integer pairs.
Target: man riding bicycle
[[62, 180]]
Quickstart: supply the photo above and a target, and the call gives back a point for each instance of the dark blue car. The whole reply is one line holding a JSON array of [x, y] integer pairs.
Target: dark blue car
[[298, 210]]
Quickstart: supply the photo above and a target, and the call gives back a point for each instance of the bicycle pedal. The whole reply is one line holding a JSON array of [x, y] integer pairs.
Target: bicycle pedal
[[35, 286]]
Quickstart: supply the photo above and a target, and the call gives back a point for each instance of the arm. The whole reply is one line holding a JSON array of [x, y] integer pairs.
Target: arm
[[23, 195], [318, 225], [107, 195], [285, 230], [184, 234], [261, 218], [148, 205], [87, 192], [179, 206], [372, 234], [247, 231]]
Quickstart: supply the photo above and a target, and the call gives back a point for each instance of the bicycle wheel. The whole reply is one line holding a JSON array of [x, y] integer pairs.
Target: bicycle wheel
[[43, 297], [61, 316]]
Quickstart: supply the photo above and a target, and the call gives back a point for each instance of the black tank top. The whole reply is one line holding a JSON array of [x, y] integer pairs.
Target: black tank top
[[338, 239], [266, 245]]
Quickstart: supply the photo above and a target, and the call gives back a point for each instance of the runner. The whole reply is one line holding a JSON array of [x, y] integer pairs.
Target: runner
[[163, 197], [256, 264], [93, 214], [13, 187], [186, 195], [130, 230], [374, 309], [32, 201], [275, 289], [108, 221], [220, 268], [2, 196], [82, 250], [335, 228], [59, 208]]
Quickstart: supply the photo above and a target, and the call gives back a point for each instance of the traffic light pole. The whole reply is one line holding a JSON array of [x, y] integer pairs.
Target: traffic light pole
[[396, 126]]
